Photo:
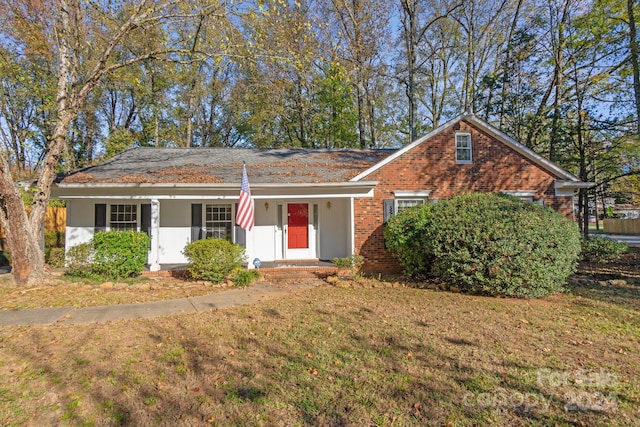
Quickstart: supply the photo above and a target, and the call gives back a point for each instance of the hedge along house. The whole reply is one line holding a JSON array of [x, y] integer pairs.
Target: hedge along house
[[309, 204]]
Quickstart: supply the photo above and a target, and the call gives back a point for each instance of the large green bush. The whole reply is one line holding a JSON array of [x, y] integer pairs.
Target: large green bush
[[486, 243], [120, 254], [213, 259], [496, 244], [406, 237]]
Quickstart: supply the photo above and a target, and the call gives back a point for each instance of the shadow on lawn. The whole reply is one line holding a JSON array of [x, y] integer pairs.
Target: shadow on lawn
[[611, 291], [314, 362], [614, 282]]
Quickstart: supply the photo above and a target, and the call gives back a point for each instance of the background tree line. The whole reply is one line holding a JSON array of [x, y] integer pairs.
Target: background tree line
[[83, 80]]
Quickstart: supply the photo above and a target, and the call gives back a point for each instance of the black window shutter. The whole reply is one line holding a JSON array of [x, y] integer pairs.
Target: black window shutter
[[241, 235], [145, 220], [100, 217], [196, 221], [389, 209]]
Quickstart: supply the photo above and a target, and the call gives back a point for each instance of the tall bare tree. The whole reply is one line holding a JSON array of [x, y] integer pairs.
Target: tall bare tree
[[417, 18], [85, 37], [633, 57]]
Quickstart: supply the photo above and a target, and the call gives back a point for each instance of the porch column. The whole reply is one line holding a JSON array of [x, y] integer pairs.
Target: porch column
[[249, 250], [155, 236], [352, 227]]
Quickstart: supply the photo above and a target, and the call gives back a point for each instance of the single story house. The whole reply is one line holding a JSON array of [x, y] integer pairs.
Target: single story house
[[309, 204]]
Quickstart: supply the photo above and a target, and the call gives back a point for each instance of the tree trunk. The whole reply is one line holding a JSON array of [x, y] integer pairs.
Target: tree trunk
[[411, 44], [585, 213], [27, 258], [558, 58], [633, 48], [558, 77], [506, 78], [362, 130], [24, 232], [189, 131], [469, 84]]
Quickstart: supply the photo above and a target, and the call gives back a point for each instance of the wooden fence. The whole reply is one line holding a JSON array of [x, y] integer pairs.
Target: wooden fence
[[624, 226], [55, 220]]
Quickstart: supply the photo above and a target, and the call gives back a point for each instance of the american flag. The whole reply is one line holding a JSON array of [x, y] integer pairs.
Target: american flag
[[244, 216]]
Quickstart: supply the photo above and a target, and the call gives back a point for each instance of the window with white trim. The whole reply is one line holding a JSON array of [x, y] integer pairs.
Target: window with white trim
[[218, 222], [527, 195], [123, 217], [402, 204], [463, 148], [403, 199]]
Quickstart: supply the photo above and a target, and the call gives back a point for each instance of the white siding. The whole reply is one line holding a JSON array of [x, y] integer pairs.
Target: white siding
[[334, 229], [263, 233], [172, 243], [176, 213], [80, 218], [175, 230]]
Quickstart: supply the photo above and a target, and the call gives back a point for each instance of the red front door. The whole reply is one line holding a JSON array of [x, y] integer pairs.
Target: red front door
[[298, 221]]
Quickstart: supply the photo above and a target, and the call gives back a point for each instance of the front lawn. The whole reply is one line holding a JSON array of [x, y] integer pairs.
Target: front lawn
[[339, 356]]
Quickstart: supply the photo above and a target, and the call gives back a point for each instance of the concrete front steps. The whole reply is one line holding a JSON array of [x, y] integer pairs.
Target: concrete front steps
[[291, 273], [269, 270]]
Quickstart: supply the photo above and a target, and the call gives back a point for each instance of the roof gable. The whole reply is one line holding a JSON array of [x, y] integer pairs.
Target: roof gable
[[470, 118]]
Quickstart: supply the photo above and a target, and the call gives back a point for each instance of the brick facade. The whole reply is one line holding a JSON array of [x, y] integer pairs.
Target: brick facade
[[432, 166]]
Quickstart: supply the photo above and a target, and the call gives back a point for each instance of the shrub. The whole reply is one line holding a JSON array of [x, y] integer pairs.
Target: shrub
[[79, 259], [406, 237], [213, 259], [54, 257], [598, 250], [5, 258], [499, 245], [242, 277], [120, 254], [54, 239], [352, 261]]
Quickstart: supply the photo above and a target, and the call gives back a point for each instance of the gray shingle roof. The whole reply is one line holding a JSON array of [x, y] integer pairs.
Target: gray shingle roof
[[224, 166]]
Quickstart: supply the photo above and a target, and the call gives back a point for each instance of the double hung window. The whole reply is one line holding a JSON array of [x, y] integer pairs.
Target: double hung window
[[123, 217], [218, 221], [463, 148]]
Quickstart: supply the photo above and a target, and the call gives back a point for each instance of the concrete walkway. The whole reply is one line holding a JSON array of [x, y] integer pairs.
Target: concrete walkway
[[629, 239], [70, 315]]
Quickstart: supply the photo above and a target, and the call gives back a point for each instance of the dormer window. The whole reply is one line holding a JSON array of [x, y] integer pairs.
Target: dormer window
[[463, 148]]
